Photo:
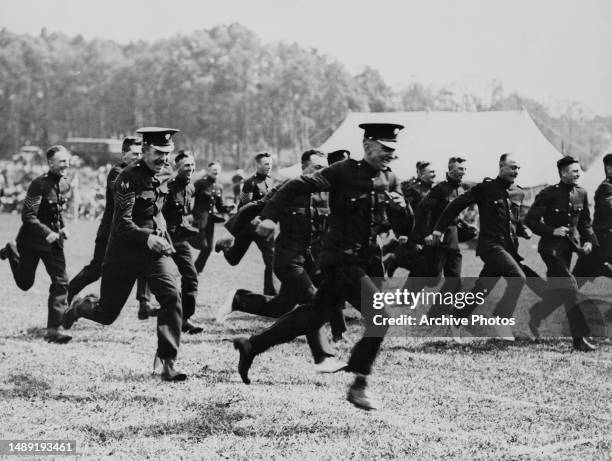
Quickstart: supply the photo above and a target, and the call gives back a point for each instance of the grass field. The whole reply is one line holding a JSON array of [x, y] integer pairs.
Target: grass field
[[441, 400]]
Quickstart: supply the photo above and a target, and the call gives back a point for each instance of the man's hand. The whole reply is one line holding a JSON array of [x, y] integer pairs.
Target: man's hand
[[52, 237], [527, 234], [265, 228], [436, 238], [561, 231], [587, 248], [398, 199], [428, 239], [64, 233], [157, 244]]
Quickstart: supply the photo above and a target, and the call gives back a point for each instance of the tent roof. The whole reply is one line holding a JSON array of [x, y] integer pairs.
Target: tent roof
[[595, 174], [479, 137]]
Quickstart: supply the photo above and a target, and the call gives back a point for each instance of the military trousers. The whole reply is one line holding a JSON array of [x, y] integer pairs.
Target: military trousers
[[342, 282], [563, 290], [93, 271], [24, 273], [498, 263], [204, 240], [183, 258], [591, 266], [296, 288], [241, 244], [118, 278]]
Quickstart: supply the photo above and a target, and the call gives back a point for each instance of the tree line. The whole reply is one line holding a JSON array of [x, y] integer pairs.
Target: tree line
[[230, 94]]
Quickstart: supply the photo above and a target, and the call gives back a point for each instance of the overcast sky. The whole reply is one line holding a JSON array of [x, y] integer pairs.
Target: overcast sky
[[550, 50]]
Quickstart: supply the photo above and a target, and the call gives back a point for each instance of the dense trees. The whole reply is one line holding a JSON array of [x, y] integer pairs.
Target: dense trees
[[229, 93]]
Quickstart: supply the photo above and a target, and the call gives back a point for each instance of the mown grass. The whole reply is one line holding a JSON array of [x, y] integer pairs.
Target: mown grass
[[485, 400]]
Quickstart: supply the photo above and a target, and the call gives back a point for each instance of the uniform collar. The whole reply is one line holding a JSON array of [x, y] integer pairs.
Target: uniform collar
[[503, 183], [567, 187], [372, 172], [145, 168], [210, 178], [181, 181], [261, 175], [452, 182], [54, 176]]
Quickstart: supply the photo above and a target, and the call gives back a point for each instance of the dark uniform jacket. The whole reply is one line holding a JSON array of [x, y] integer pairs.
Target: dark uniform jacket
[[177, 208], [302, 224], [556, 206], [415, 193], [42, 211], [360, 208], [208, 195], [405, 185], [602, 219], [109, 208], [499, 206], [255, 188], [139, 199], [430, 208]]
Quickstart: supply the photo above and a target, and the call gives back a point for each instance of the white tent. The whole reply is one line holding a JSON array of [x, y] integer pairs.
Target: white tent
[[479, 137], [594, 175]]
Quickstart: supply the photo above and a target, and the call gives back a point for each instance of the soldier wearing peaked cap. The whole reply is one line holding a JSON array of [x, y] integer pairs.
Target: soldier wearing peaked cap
[[41, 237], [365, 200], [560, 215], [139, 246]]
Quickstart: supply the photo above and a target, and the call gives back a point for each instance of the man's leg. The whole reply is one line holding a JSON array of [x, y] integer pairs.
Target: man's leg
[[117, 282], [236, 252], [207, 237], [55, 263], [305, 318], [90, 273], [143, 295], [169, 321], [296, 288], [189, 284], [565, 292], [451, 264], [24, 269], [266, 246]]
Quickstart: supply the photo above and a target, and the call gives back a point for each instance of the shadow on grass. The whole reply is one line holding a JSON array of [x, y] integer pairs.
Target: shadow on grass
[[26, 386], [210, 420], [477, 346]]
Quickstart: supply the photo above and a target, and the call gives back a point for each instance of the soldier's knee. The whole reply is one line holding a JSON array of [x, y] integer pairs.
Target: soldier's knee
[[58, 288], [25, 284]]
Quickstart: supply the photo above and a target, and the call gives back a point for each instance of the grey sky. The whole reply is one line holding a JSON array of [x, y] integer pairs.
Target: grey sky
[[550, 50]]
